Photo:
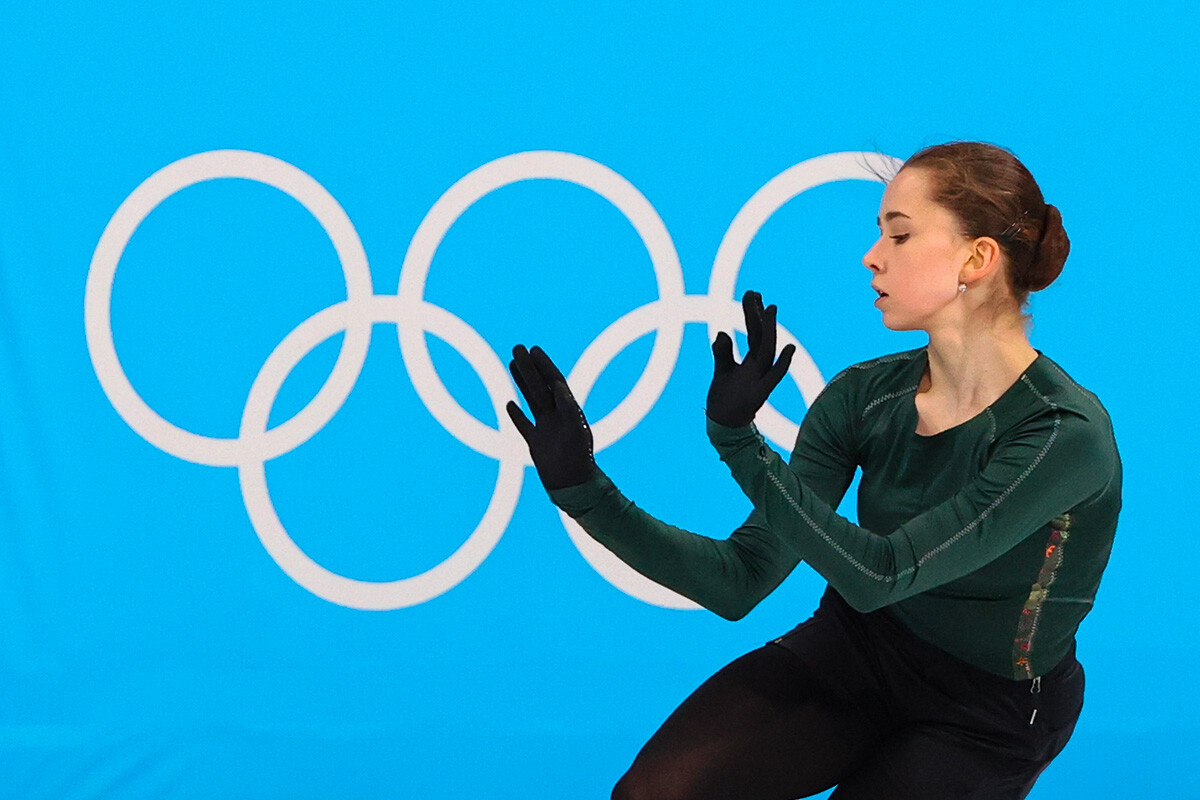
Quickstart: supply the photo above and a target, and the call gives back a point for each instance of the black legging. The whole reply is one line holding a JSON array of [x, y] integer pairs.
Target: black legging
[[759, 728], [764, 728]]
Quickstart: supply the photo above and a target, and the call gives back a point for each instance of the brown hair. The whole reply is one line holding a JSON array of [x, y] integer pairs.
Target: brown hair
[[993, 194]]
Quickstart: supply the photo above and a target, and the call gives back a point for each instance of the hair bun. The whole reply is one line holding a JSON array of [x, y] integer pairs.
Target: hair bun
[[991, 193], [1052, 251]]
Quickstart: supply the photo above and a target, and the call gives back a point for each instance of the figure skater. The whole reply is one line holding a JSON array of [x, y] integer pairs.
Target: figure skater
[[940, 662]]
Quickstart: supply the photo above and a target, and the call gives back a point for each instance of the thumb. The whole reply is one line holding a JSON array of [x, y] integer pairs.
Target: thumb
[[776, 373], [524, 426]]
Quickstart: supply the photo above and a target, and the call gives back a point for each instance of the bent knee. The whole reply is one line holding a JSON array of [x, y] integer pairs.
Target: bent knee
[[654, 784]]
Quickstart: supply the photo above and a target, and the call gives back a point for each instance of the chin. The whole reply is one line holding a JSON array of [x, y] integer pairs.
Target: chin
[[899, 325], [913, 320]]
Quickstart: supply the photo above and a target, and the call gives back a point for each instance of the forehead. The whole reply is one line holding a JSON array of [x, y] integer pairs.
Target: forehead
[[908, 192]]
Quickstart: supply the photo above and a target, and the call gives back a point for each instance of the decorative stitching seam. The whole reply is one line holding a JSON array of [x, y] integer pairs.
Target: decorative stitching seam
[[1000, 498], [992, 419], [1025, 380], [872, 364], [821, 532], [909, 356], [885, 398], [1082, 391]]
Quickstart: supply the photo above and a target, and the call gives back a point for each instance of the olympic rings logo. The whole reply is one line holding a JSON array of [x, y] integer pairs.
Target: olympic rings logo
[[413, 317]]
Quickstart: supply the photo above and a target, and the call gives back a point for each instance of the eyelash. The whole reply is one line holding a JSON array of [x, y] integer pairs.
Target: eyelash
[[900, 238]]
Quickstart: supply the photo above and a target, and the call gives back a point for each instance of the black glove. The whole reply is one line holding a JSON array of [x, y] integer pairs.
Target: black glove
[[559, 438], [739, 390]]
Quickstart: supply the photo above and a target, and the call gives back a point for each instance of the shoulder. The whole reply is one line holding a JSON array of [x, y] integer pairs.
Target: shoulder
[[879, 379], [883, 365], [1059, 396], [1067, 415], [1047, 379]]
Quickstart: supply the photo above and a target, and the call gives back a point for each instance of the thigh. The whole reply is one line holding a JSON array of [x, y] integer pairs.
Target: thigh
[[979, 745], [762, 727], [923, 762]]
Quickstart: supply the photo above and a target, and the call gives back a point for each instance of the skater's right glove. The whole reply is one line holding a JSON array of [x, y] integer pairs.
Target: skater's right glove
[[559, 439]]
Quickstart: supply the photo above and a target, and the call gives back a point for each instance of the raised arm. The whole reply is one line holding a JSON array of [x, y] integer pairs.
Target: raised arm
[[1054, 461], [1052, 466], [728, 576]]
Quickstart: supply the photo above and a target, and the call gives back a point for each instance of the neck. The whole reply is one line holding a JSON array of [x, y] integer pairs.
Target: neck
[[970, 369]]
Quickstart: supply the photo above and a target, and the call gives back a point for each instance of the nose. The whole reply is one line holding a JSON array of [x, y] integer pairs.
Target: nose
[[870, 259]]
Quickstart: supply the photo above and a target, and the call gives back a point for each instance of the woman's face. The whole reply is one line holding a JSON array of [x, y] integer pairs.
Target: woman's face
[[919, 257]]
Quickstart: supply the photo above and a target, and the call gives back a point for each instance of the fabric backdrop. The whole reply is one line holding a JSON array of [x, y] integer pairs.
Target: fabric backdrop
[[261, 265]]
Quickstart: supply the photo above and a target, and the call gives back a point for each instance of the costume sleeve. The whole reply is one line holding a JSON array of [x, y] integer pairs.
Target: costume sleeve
[[1045, 467], [727, 576]]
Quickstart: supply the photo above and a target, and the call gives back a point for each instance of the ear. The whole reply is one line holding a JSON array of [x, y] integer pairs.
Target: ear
[[983, 259]]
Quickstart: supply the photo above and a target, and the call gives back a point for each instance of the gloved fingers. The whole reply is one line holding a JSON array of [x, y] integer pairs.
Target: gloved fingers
[[766, 352], [524, 426], [722, 348], [530, 381], [752, 309], [518, 380], [550, 373], [776, 373]]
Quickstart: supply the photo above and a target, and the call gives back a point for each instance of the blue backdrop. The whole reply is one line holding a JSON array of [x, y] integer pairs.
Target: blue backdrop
[[260, 265]]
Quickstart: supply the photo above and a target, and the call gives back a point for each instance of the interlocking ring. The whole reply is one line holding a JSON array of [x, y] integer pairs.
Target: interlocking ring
[[413, 317]]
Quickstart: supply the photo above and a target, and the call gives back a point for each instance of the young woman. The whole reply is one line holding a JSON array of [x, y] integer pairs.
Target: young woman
[[941, 660]]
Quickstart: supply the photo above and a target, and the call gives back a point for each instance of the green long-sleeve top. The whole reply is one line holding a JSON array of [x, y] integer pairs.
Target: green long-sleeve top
[[987, 539]]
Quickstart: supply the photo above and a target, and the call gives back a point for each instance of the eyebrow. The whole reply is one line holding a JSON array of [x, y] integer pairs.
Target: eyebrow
[[891, 215]]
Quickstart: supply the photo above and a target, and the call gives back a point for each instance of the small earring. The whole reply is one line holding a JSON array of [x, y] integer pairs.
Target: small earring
[[962, 287]]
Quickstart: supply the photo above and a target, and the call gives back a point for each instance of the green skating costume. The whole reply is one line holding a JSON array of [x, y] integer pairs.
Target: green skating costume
[[987, 540]]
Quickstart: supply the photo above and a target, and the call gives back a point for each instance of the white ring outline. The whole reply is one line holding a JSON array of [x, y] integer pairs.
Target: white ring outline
[[324, 583], [482, 181], [145, 421], [256, 444]]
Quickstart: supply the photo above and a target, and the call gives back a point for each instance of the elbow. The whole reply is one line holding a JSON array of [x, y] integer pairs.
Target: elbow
[[882, 585], [737, 606], [733, 611]]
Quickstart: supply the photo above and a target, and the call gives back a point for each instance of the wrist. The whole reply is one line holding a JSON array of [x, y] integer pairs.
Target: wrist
[[726, 422], [720, 425], [721, 434], [581, 498], [569, 477]]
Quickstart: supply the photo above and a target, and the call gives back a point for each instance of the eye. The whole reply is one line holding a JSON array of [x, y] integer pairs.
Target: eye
[[900, 238]]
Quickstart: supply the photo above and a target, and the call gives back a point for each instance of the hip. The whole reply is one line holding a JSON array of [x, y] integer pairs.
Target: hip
[[875, 663]]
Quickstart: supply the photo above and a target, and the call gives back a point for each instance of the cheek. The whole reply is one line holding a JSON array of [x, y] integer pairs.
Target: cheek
[[925, 289], [939, 269]]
